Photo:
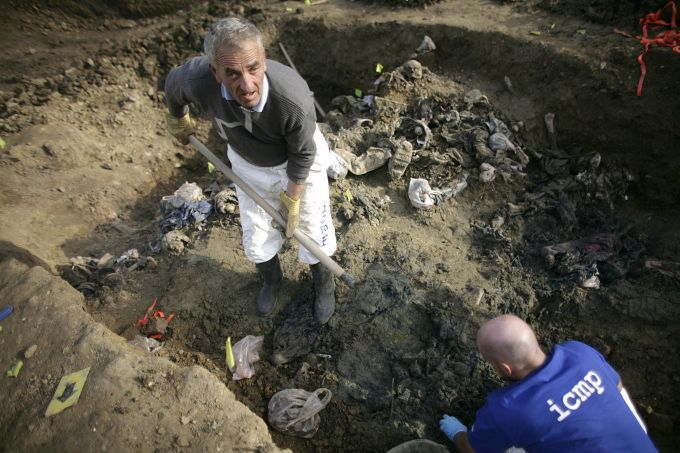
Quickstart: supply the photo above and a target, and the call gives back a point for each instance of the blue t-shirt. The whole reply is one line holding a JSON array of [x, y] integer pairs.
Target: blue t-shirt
[[572, 403]]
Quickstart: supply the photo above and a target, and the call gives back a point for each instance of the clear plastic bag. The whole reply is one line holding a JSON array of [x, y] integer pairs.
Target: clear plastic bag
[[148, 344], [296, 411], [246, 353], [338, 167]]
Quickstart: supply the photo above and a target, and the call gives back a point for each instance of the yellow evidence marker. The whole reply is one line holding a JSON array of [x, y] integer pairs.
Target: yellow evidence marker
[[68, 391], [230, 355]]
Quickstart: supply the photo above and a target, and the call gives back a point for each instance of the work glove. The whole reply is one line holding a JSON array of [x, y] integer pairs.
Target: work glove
[[180, 128], [451, 426], [292, 213]]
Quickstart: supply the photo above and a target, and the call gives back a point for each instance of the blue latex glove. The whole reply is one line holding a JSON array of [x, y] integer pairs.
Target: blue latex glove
[[451, 426]]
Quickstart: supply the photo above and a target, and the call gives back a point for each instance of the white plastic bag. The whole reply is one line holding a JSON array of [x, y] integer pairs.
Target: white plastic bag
[[246, 353], [420, 193], [296, 411], [338, 167]]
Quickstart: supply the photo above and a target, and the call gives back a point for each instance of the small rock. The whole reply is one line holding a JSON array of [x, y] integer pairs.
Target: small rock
[[49, 150], [106, 166], [28, 353], [185, 419], [89, 63]]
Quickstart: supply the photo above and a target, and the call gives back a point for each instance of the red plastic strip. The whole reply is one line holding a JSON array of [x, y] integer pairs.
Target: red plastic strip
[[145, 319], [667, 38]]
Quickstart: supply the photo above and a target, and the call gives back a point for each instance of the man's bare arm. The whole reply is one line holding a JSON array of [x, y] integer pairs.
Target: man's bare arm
[[294, 191], [462, 443]]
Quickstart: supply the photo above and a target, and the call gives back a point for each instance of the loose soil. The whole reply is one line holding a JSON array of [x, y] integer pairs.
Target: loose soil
[[88, 159]]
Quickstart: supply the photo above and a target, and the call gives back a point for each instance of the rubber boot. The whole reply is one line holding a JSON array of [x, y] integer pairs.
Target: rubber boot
[[271, 275], [324, 288]]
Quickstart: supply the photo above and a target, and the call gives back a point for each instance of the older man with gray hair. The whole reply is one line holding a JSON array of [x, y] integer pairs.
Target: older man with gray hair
[[571, 400], [265, 111]]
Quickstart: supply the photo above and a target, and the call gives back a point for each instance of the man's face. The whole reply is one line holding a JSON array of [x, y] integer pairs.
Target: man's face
[[241, 71]]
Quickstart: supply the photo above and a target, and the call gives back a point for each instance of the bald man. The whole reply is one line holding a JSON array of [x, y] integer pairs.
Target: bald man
[[571, 400]]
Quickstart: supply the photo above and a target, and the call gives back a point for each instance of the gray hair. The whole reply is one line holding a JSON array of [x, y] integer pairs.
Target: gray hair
[[229, 34]]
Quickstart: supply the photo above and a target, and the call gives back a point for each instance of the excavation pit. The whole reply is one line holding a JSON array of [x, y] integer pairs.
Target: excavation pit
[[400, 350]]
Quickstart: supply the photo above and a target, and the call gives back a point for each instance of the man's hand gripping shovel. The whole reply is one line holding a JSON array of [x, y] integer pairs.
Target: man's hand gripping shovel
[[302, 238]]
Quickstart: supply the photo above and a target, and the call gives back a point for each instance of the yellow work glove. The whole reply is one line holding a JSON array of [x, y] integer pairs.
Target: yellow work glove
[[292, 212], [180, 128]]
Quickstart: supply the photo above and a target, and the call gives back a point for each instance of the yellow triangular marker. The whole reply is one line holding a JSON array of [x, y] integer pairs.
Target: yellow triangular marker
[[379, 68], [348, 195], [230, 355], [211, 167], [358, 93], [68, 391]]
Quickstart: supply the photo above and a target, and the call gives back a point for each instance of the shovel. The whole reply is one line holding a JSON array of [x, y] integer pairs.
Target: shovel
[[302, 238]]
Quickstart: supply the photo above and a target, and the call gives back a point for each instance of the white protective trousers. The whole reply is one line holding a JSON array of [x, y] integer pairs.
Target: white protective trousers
[[261, 241]]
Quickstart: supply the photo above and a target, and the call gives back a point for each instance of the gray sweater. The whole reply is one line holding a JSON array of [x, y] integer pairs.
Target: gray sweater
[[282, 132]]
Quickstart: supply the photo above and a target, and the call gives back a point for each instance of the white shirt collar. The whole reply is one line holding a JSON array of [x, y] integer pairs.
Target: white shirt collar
[[263, 99]]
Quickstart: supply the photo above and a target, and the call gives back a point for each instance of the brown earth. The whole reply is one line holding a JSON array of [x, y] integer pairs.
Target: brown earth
[[88, 159]]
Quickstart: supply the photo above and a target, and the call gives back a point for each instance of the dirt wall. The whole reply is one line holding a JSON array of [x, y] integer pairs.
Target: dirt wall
[[131, 399]]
